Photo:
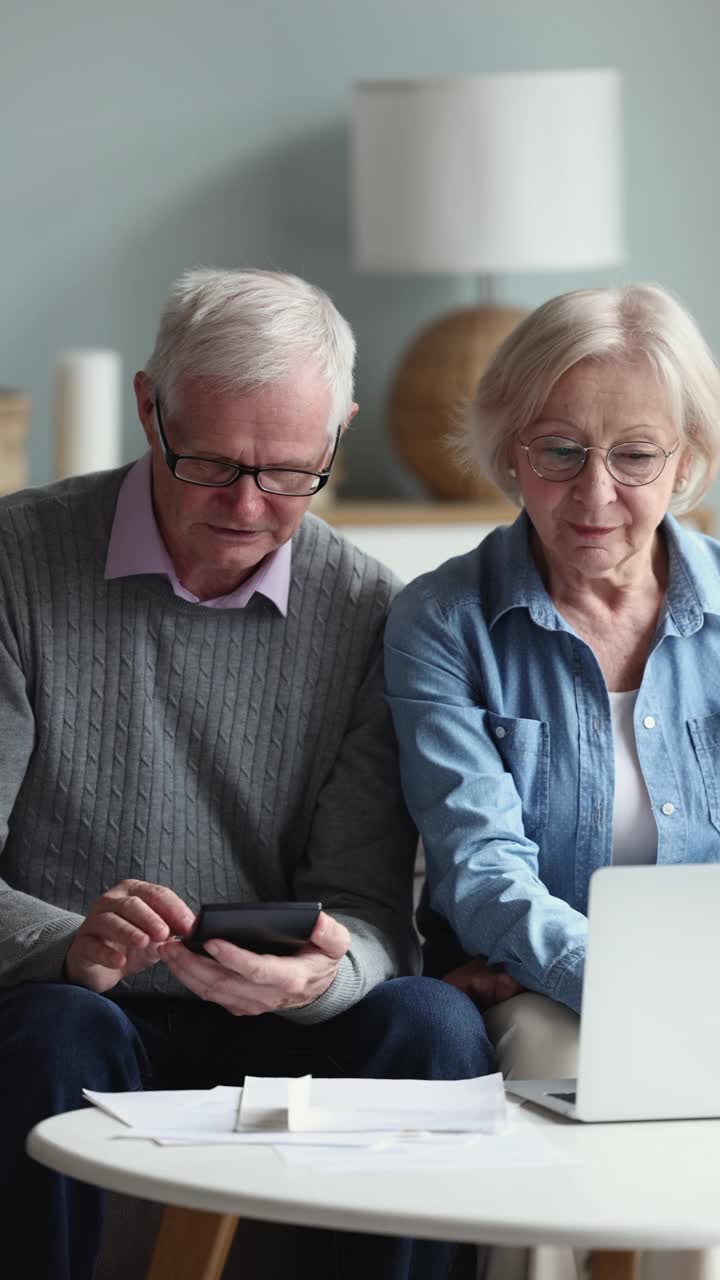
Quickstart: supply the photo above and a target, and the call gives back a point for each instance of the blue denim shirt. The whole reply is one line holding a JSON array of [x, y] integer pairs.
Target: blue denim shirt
[[503, 719]]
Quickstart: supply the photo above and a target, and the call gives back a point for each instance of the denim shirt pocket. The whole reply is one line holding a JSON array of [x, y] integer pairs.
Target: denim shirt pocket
[[524, 748], [705, 734]]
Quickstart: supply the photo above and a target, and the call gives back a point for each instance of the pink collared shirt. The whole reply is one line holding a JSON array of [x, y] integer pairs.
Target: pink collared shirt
[[136, 546]]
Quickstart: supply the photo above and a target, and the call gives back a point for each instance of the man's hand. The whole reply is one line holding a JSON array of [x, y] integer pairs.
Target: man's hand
[[246, 983], [122, 932], [484, 984]]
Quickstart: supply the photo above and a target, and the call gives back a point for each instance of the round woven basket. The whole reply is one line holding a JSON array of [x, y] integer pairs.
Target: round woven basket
[[14, 426], [435, 379]]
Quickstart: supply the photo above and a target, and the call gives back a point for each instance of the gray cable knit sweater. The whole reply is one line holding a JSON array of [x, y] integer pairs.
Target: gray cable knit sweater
[[231, 754]]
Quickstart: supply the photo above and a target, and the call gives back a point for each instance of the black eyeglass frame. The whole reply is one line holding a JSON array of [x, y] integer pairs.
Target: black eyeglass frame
[[173, 459], [588, 448]]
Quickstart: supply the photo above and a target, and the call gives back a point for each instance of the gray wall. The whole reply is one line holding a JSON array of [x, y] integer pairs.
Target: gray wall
[[139, 138]]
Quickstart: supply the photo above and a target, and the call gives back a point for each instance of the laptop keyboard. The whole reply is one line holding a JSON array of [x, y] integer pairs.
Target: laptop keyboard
[[564, 1097]]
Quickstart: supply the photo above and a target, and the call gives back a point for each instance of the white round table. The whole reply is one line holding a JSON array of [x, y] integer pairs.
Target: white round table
[[637, 1186]]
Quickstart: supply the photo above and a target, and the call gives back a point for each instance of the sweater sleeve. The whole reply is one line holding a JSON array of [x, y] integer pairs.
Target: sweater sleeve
[[360, 856], [34, 936]]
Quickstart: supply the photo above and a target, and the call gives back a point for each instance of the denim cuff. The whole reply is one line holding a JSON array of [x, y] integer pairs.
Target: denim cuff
[[565, 978]]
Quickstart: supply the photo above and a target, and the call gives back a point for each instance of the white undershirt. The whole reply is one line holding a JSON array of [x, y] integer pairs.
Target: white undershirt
[[634, 828]]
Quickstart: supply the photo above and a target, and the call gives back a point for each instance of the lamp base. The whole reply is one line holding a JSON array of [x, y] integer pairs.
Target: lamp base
[[437, 376]]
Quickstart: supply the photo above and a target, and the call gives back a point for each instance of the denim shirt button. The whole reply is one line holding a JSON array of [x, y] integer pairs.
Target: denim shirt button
[[500, 732], [649, 722], [668, 808]]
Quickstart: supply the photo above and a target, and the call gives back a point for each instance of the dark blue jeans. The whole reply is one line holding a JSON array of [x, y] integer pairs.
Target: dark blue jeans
[[58, 1039]]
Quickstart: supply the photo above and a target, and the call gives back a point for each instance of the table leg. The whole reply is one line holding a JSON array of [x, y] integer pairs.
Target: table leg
[[611, 1265], [191, 1245]]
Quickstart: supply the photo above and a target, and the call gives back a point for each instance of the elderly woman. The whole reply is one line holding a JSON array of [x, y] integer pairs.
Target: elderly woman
[[553, 689]]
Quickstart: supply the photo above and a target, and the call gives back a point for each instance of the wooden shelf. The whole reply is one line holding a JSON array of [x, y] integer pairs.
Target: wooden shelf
[[14, 425], [494, 511]]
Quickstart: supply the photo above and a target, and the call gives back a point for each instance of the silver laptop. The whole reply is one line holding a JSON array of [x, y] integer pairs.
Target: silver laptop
[[650, 1021]]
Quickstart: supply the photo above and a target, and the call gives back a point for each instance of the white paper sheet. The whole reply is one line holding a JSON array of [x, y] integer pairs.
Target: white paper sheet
[[522, 1147], [256, 1138], [162, 1108]]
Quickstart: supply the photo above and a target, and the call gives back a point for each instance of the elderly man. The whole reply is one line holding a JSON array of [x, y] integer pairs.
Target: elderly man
[[191, 711]]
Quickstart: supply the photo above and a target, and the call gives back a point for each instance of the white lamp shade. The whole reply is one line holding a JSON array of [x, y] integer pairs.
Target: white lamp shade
[[491, 173]]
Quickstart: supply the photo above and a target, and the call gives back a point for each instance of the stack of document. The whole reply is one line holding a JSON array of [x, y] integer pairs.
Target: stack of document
[[307, 1105], [342, 1124]]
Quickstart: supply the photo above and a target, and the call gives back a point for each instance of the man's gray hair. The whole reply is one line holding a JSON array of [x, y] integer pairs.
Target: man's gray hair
[[609, 325], [243, 330]]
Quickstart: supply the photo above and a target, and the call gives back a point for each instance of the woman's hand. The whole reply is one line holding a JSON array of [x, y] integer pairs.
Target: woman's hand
[[485, 984]]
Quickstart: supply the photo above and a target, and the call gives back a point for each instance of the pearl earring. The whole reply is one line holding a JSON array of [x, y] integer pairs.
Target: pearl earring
[[681, 485], [512, 473]]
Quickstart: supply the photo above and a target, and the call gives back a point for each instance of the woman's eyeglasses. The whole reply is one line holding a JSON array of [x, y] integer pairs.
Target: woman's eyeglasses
[[634, 462]]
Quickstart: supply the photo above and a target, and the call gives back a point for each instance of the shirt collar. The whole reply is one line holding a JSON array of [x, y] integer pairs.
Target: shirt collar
[[136, 547], [693, 580], [517, 583], [694, 585]]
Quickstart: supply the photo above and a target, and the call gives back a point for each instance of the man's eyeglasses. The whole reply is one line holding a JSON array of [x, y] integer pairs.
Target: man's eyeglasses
[[634, 462], [218, 473]]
